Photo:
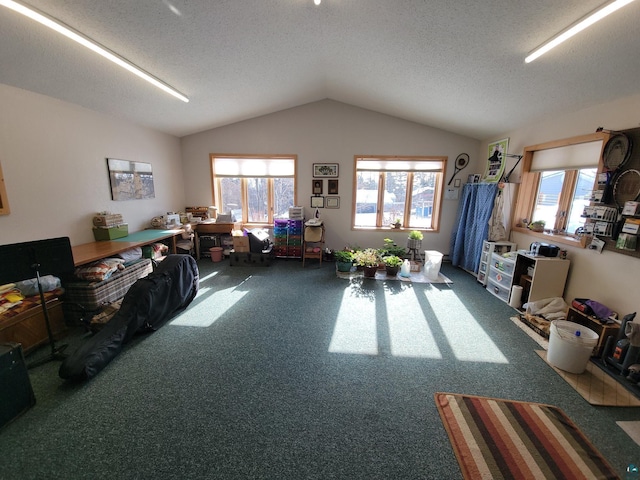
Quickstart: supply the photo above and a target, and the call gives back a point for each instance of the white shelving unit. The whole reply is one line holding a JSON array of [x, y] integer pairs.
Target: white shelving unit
[[540, 277], [488, 249]]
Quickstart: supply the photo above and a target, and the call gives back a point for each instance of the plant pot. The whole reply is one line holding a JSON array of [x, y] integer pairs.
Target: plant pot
[[392, 271], [370, 272], [414, 244], [344, 266]]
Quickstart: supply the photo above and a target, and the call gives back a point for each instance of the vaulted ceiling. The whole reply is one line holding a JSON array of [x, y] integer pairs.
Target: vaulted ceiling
[[457, 65]]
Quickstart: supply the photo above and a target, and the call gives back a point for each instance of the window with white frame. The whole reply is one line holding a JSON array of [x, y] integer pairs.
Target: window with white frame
[[254, 189], [404, 189]]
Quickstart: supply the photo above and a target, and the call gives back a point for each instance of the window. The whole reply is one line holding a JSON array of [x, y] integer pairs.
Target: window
[[557, 182], [404, 188], [254, 189], [563, 212]]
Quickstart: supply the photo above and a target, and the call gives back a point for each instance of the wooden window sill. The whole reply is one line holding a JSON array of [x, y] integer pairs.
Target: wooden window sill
[[554, 238]]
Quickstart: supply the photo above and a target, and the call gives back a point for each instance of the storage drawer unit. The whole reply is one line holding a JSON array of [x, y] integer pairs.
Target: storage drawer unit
[[503, 264], [488, 250], [500, 278], [498, 290]]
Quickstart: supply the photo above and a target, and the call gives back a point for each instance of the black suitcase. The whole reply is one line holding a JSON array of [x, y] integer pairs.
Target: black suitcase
[[16, 394]]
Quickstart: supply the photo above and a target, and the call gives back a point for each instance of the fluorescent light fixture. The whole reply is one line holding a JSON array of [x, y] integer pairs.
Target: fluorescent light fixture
[[587, 21], [76, 36]]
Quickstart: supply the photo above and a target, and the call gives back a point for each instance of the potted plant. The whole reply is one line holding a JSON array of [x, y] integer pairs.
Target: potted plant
[[397, 223], [344, 260], [415, 240], [368, 259], [390, 248], [392, 264], [537, 226]]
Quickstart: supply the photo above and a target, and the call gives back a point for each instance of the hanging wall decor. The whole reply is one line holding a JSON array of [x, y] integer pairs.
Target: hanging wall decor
[[496, 161], [130, 180], [4, 202]]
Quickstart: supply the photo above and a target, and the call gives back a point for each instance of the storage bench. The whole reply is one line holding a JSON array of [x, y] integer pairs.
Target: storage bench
[[25, 324], [84, 299]]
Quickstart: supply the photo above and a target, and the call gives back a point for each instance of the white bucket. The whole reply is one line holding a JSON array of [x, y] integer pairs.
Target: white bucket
[[433, 262], [569, 350]]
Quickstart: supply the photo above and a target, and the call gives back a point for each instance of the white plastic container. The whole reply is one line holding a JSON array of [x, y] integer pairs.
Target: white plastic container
[[569, 350], [433, 262]]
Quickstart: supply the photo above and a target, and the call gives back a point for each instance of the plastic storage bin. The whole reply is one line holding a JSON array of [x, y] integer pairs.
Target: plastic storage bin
[[433, 262], [570, 346]]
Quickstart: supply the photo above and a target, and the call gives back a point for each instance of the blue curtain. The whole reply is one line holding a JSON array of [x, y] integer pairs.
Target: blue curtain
[[472, 224]]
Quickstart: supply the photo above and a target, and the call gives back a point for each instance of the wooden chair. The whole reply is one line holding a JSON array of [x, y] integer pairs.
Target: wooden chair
[[313, 243]]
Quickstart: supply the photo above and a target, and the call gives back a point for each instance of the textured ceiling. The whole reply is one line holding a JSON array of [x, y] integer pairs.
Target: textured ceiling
[[456, 65]]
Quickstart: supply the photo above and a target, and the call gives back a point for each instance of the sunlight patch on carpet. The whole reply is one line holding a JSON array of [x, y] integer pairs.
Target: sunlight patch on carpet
[[467, 339], [355, 328], [200, 314]]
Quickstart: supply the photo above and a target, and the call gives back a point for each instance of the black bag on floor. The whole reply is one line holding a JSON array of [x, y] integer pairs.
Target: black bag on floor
[[148, 304]]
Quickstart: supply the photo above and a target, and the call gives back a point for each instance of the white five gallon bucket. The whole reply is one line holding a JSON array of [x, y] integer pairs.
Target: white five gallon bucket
[[570, 346]]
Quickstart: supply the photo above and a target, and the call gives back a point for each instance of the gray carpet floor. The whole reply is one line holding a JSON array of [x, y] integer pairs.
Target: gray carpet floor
[[285, 372]]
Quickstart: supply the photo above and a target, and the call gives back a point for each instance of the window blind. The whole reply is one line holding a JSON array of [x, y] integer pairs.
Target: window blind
[[569, 157], [399, 165], [254, 167]]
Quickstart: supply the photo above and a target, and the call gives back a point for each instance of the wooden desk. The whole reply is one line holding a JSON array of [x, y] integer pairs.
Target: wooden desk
[[207, 228], [90, 252]]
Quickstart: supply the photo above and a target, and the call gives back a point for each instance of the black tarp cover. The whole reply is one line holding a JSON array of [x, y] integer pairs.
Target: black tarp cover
[[148, 304]]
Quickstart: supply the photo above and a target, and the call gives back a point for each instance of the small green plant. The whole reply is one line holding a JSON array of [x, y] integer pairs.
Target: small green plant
[[343, 256], [415, 235], [537, 226], [390, 248], [368, 257], [392, 261]]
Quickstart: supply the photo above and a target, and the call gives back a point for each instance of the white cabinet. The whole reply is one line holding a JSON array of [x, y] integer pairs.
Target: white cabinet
[[540, 277], [488, 249]]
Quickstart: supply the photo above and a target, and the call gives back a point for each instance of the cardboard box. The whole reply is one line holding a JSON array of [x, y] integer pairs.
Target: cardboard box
[[241, 244], [111, 233]]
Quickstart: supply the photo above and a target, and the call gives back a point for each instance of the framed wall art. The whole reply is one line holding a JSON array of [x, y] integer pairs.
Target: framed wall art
[[332, 187], [496, 161], [130, 180], [325, 170], [317, 202], [317, 187], [4, 201], [333, 202]]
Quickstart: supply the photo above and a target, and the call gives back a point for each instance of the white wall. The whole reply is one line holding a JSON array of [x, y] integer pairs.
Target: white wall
[[328, 132], [53, 157], [609, 278]]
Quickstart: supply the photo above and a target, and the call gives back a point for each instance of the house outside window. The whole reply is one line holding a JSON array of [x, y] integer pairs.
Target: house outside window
[[557, 183], [254, 189], [408, 189]]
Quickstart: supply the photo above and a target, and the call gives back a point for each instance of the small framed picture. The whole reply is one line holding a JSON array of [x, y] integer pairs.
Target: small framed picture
[[325, 170], [471, 178], [333, 202], [332, 187], [317, 202], [317, 187]]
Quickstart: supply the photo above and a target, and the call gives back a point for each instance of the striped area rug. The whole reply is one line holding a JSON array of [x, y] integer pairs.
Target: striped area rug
[[500, 439]]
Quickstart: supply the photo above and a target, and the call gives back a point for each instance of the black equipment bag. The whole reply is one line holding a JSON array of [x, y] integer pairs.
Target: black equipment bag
[[147, 305]]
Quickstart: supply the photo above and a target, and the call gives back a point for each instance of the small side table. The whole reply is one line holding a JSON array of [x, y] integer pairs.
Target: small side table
[[594, 323]]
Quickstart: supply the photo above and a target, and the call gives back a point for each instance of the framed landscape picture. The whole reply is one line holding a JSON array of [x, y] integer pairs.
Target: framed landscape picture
[[325, 170], [130, 180]]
